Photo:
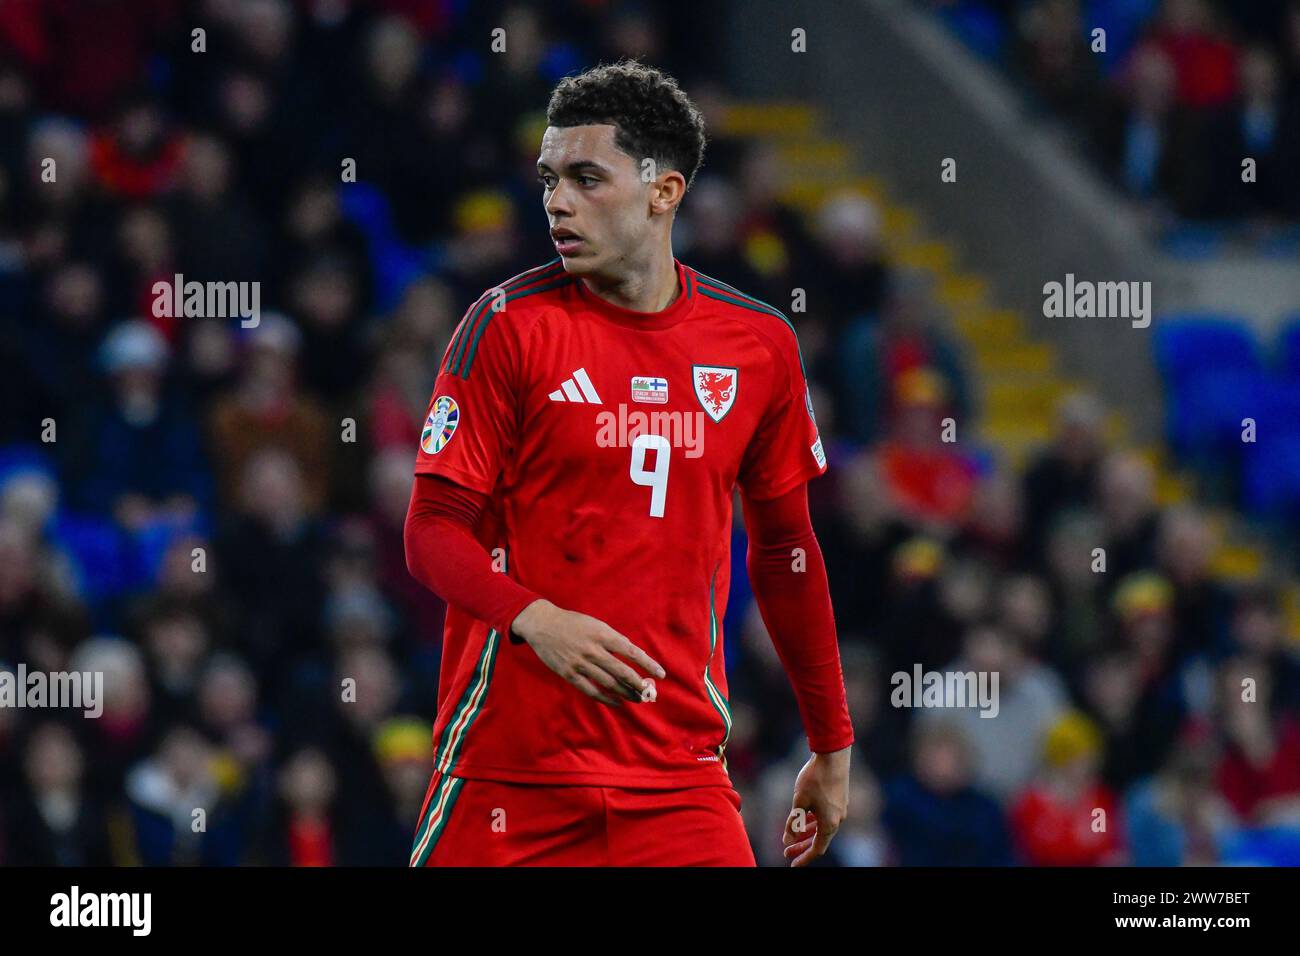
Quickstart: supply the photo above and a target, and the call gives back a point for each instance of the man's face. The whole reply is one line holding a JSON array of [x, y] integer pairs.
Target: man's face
[[594, 197]]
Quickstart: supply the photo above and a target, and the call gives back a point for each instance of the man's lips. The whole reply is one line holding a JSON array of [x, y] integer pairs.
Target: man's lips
[[566, 242]]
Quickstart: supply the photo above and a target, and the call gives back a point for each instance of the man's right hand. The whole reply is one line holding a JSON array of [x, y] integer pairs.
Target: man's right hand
[[581, 649]]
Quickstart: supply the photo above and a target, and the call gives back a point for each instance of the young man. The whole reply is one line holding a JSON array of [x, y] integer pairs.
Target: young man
[[572, 505]]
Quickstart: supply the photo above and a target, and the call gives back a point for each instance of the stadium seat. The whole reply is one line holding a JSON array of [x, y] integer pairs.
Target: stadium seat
[[23, 457], [1272, 477], [1206, 416], [1288, 348], [1123, 21], [396, 265], [1188, 344], [979, 28], [105, 561], [1193, 241]]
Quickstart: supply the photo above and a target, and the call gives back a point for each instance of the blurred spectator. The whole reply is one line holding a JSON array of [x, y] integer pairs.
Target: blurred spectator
[[1205, 62], [776, 242], [270, 553], [1143, 608], [1006, 747], [138, 156], [1054, 54], [1201, 605], [1069, 817], [185, 805], [859, 546], [218, 237], [1257, 631], [1148, 141], [932, 483], [851, 271], [1264, 125], [1076, 588], [1127, 508], [178, 645], [879, 351], [84, 53], [55, 821], [1176, 818], [1064, 475], [266, 410], [935, 816], [1135, 730], [144, 461], [124, 732], [1260, 771], [712, 243], [305, 831], [391, 484], [406, 760], [994, 530]]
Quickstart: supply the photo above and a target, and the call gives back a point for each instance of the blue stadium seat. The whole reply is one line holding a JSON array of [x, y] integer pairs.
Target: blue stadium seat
[[1123, 21], [396, 265], [24, 456], [1272, 476], [1288, 347], [1206, 414], [981, 29], [1192, 241], [1188, 344], [1262, 846], [105, 561]]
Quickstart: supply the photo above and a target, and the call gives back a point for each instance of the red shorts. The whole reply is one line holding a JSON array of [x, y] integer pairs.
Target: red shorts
[[488, 823]]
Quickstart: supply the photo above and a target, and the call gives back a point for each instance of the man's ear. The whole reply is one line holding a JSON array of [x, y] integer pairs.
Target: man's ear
[[669, 190]]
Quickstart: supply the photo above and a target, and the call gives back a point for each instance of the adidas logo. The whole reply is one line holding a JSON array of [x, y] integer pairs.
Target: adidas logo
[[568, 391]]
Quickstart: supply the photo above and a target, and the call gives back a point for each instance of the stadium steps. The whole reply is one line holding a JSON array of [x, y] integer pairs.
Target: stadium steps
[[1018, 380], [769, 120]]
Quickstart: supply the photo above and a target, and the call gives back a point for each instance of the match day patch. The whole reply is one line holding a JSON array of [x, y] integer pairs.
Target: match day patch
[[715, 387], [650, 389], [818, 453], [440, 425]]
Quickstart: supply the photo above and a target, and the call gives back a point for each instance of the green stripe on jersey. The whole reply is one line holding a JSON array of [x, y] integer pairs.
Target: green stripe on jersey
[[725, 293], [715, 696], [435, 820], [548, 271], [485, 320], [468, 708]]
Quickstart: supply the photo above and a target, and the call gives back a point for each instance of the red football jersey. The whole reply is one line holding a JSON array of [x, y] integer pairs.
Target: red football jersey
[[609, 442]]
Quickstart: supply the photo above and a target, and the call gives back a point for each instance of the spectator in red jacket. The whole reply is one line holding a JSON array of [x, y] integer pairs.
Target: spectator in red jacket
[[1205, 61], [1069, 818], [1260, 771]]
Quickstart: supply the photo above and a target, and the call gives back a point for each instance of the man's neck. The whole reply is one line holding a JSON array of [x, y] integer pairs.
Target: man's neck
[[642, 290]]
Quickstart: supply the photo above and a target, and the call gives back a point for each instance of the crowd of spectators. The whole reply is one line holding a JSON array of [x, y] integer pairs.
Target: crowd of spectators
[[1170, 97], [211, 516]]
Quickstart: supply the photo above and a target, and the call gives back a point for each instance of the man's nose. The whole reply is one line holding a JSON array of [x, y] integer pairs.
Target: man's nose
[[558, 202]]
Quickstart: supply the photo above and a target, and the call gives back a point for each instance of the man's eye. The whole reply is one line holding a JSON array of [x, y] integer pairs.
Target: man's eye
[[545, 181], [586, 180]]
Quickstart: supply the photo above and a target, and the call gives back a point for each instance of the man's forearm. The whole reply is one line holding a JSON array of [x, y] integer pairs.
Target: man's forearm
[[793, 597], [443, 554]]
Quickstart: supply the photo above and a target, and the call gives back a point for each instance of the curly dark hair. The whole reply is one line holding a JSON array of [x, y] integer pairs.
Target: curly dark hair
[[654, 118]]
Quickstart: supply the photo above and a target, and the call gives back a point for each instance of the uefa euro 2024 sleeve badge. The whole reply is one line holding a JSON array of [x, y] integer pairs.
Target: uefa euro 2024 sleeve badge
[[440, 425]]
